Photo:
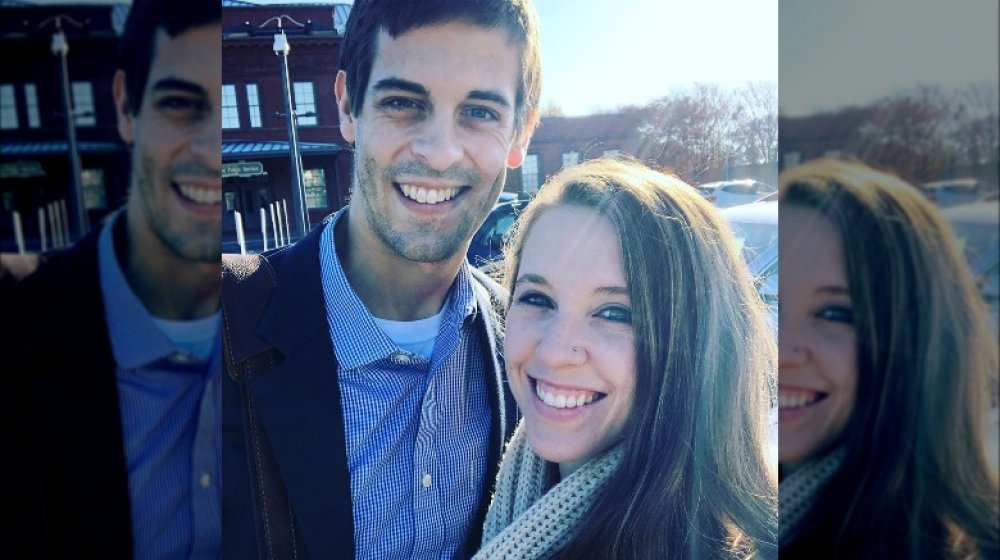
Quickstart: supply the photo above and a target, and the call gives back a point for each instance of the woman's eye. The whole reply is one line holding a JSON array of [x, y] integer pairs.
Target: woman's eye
[[535, 299], [837, 314], [616, 313]]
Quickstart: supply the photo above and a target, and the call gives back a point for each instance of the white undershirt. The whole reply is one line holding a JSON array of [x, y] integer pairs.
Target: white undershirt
[[416, 337], [197, 337]]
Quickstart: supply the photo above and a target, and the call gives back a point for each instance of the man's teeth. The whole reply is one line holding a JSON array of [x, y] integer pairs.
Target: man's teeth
[[564, 401], [199, 195], [796, 399], [428, 196]]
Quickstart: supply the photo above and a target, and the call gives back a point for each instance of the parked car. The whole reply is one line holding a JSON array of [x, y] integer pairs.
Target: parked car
[[506, 197], [731, 193], [953, 192], [755, 226], [977, 227], [487, 243]]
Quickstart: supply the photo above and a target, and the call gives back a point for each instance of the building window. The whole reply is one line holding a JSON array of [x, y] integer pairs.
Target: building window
[[570, 158], [305, 103], [253, 105], [83, 104], [315, 183], [529, 174], [230, 113], [8, 107], [93, 189], [31, 102]]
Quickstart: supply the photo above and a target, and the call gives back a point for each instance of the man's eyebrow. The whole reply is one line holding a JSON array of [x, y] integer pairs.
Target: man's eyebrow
[[492, 96], [399, 84], [167, 84]]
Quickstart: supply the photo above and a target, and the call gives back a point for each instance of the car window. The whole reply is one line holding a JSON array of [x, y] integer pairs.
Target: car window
[[751, 239], [763, 188], [494, 236], [739, 188]]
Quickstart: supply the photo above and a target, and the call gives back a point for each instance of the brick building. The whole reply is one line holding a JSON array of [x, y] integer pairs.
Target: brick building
[[256, 153], [34, 161]]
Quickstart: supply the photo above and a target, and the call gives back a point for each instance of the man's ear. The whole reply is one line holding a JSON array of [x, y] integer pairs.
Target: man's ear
[[122, 108], [519, 149], [344, 107]]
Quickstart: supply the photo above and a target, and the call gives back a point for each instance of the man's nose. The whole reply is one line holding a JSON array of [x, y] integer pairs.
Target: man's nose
[[438, 143]]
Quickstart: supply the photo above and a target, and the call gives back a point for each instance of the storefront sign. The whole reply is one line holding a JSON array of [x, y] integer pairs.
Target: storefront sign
[[242, 169], [21, 169]]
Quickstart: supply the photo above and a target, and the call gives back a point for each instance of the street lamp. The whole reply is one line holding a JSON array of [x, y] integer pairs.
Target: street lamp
[[60, 48], [282, 48]]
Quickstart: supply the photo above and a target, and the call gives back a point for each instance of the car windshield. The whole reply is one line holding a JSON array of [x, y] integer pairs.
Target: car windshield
[[751, 238]]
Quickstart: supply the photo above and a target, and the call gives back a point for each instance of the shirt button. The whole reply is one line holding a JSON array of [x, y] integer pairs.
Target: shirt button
[[426, 480], [403, 358], [205, 480]]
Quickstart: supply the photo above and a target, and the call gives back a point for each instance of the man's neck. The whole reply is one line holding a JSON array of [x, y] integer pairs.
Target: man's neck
[[168, 286], [390, 286]]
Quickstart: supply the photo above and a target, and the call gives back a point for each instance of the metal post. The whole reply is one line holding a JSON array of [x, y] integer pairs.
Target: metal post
[[239, 232], [281, 48], [61, 48], [263, 227], [274, 225], [284, 210], [18, 233], [41, 227]]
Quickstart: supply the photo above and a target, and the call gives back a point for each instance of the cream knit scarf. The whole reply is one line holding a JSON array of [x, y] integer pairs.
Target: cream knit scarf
[[797, 492], [526, 522]]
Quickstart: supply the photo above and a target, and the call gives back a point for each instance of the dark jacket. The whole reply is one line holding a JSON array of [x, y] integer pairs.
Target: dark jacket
[[286, 488], [66, 494]]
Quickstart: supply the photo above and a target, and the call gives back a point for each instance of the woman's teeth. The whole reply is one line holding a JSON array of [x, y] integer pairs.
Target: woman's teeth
[[562, 400], [797, 399]]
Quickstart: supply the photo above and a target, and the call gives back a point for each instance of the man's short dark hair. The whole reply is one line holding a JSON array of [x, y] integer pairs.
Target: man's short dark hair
[[368, 17], [145, 17]]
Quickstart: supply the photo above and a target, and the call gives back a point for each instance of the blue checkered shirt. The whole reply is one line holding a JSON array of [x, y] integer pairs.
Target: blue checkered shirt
[[416, 429], [170, 406]]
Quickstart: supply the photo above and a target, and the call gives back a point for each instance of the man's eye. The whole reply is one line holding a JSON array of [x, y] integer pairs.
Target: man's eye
[[401, 104], [837, 314], [616, 313], [181, 104], [481, 113], [535, 299]]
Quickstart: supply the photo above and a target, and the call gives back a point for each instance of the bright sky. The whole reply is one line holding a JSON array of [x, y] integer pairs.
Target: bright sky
[[601, 54], [851, 52]]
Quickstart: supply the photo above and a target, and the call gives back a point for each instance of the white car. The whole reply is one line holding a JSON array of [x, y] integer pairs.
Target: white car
[[731, 193], [755, 226], [953, 192]]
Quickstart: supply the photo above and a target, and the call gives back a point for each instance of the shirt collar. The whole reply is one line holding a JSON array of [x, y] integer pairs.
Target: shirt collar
[[135, 339], [356, 337]]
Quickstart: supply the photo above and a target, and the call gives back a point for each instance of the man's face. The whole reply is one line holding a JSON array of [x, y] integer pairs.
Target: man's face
[[434, 137], [176, 189]]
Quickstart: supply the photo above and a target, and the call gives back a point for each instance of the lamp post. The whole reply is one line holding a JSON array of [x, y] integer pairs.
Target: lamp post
[[282, 48], [60, 48]]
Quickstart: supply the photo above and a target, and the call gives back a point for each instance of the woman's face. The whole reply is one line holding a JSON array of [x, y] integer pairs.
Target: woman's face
[[817, 372], [569, 346]]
